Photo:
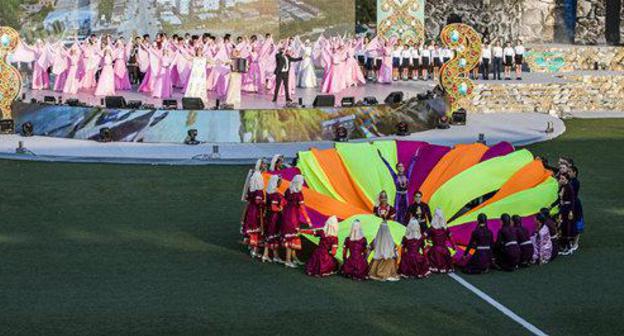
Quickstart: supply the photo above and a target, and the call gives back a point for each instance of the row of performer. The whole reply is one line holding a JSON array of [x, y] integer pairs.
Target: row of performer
[[272, 225], [196, 65]]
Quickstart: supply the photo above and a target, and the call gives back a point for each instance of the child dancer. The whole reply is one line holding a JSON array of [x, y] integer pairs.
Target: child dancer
[[384, 264], [415, 54], [396, 60], [414, 263], [293, 216], [275, 203], [482, 241], [322, 263], [519, 59], [383, 209], [406, 59], [524, 240], [253, 214], [507, 249], [508, 53], [354, 254], [542, 244], [425, 56], [439, 256]]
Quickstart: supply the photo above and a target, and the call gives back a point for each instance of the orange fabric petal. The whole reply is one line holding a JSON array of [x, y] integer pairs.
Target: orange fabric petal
[[321, 203], [527, 177], [340, 178], [460, 158]]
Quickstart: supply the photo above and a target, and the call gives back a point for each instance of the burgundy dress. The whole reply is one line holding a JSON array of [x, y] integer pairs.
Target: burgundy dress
[[567, 200], [275, 203], [292, 218], [526, 246], [414, 263], [482, 240], [385, 212], [421, 212], [252, 223], [322, 263], [355, 266], [507, 249], [439, 256]]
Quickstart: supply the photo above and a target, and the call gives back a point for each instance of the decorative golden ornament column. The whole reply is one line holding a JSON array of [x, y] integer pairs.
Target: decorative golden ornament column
[[10, 78]]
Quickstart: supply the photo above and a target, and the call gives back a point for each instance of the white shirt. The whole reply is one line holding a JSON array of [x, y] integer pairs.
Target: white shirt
[[448, 53], [498, 52], [415, 52], [425, 53], [396, 53], [286, 66], [508, 51], [486, 53], [519, 50], [406, 54]]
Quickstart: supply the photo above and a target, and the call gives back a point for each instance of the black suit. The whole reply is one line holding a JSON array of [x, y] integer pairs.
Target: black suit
[[283, 64]]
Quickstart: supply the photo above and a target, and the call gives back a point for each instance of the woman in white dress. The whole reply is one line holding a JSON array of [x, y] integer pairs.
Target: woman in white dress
[[196, 86], [306, 76]]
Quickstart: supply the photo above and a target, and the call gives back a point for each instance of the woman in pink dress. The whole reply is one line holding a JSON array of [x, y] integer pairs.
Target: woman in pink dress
[[253, 80], [120, 55], [542, 244], [91, 59], [253, 214], [106, 82], [59, 65], [275, 203], [163, 86], [354, 254], [354, 76], [439, 256], [322, 263], [294, 216], [385, 72], [334, 80], [414, 263], [41, 63], [72, 83]]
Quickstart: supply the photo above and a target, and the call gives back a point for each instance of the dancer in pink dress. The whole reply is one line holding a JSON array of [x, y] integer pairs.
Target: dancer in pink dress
[[106, 82], [121, 54], [335, 78], [41, 62], [354, 75], [91, 59], [385, 72], [163, 87], [72, 83], [59, 65]]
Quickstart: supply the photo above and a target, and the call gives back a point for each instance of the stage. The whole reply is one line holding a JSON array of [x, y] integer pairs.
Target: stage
[[517, 128]]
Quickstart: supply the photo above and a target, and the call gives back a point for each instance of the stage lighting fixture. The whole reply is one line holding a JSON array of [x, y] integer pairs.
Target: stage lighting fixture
[[459, 117], [324, 101], [368, 101], [149, 107], [27, 129], [443, 122], [134, 104], [7, 126], [170, 104], [402, 129], [114, 102], [33, 101], [72, 102], [341, 134], [49, 100], [394, 98], [191, 137], [347, 102], [191, 103], [105, 135], [481, 139]]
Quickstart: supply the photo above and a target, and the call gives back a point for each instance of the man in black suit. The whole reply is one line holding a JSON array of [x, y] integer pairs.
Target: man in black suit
[[283, 63]]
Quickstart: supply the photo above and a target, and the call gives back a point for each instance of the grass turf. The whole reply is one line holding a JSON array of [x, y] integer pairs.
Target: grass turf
[[152, 250]]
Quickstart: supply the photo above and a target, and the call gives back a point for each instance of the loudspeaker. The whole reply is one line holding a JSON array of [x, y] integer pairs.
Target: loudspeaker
[[114, 102], [394, 98], [134, 104], [105, 135], [190, 103], [370, 100], [170, 104], [347, 102], [72, 102], [443, 122], [7, 126], [324, 101], [459, 117], [49, 100]]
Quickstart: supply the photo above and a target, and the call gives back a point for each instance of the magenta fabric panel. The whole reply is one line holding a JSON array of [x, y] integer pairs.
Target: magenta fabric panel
[[461, 233], [500, 149], [407, 149], [288, 173], [427, 158]]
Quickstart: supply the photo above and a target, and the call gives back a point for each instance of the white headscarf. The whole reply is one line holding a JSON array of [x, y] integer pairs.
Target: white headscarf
[[259, 164], [273, 181], [256, 182], [331, 226], [297, 184], [438, 221], [356, 231], [274, 161], [413, 230], [384, 243]]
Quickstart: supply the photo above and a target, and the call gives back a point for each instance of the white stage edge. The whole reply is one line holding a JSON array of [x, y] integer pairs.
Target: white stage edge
[[520, 129]]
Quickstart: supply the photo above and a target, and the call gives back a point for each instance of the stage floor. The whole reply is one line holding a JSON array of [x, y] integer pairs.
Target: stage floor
[[517, 128]]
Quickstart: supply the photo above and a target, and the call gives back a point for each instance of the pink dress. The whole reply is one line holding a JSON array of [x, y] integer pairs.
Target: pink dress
[[439, 256], [163, 86], [122, 80], [322, 263], [355, 265], [253, 216], [334, 80], [252, 80], [385, 72], [275, 203], [293, 218], [106, 82], [91, 61], [40, 79], [354, 74], [59, 68], [147, 85], [72, 83], [414, 263]]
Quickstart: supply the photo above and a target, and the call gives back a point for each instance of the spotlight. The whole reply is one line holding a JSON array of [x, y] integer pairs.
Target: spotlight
[[134, 104], [49, 100], [170, 104], [402, 129], [72, 102], [105, 135], [481, 139], [341, 134], [443, 122], [370, 101], [27, 129], [459, 117], [7, 126], [347, 102], [191, 137]]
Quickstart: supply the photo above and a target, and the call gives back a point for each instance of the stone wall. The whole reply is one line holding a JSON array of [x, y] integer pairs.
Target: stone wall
[[591, 93], [577, 58], [622, 23], [591, 16], [538, 21]]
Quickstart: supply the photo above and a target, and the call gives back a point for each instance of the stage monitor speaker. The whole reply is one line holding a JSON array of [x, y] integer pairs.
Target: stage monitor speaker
[[114, 102], [191, 103], [170, 104], [7, 126], [395, 97], [370, 100], [72, 102], [324, 101], [49, 100], [135, 104], [459, 117], [347, 102]]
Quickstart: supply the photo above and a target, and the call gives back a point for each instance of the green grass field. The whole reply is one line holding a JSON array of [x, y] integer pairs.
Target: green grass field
[[91, 249]]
